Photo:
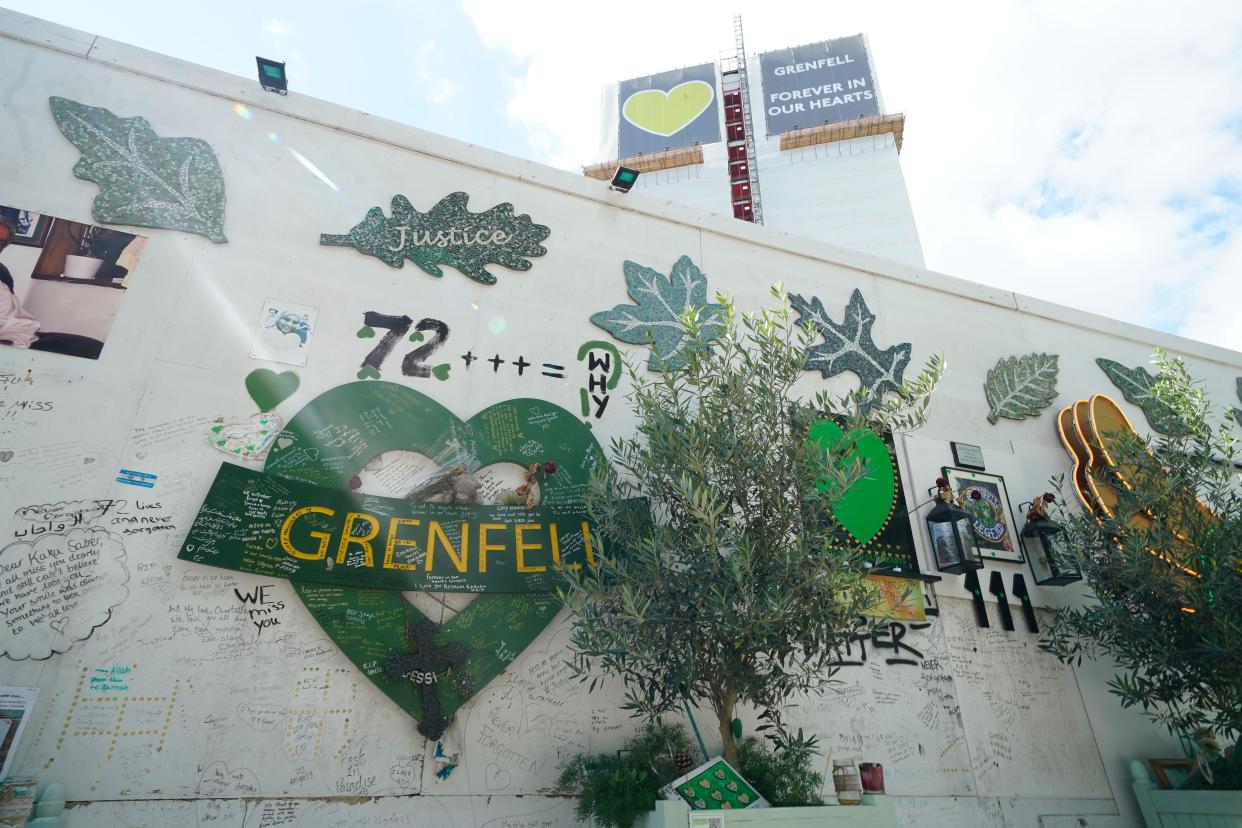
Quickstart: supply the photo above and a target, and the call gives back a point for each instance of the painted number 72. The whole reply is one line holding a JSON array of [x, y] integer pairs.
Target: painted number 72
[[398, 326]]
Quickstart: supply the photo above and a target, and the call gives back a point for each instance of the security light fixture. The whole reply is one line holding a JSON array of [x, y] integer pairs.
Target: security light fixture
[[272, 76], [623, 179]]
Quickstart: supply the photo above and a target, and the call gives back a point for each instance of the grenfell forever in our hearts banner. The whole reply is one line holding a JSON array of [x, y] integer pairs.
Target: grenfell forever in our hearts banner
[[255, 522]]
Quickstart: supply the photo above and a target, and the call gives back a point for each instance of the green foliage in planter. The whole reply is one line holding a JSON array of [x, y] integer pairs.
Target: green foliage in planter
[[615, 790], [738, 588], [1176, 636], [785, 776]]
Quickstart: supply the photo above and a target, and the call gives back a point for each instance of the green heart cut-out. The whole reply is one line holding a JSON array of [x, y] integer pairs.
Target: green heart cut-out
[[368, 371], [369, 624], [865, 508], [269, 389], [667, 113], [441, 371]]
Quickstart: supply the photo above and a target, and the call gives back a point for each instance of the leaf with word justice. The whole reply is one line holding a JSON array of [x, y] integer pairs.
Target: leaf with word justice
[[660, 301], [1136, 386], [848, 346], [1021, 387], [144, 179], [447, 235]]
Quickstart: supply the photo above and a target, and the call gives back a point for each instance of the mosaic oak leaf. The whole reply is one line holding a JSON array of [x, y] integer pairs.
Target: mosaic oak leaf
[[1136, 386], [144, 179], [1021, 387], [1237, 412], [848, 346], [660, 300], [449, 234]]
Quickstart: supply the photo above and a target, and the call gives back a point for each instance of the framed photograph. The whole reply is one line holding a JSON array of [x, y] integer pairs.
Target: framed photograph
[[991, 516], [31, 228], [1170, 773]]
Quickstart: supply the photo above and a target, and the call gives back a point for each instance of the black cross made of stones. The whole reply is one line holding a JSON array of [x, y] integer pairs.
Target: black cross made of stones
[[423, 667]]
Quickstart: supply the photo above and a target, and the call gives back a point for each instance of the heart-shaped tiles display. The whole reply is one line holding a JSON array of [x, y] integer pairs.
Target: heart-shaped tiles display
[[248, 439], [865, 508], [667, 113], [369, 625], [269, 389]]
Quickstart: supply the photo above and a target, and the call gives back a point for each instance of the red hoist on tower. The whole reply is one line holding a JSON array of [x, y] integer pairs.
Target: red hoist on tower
[[740, 132]]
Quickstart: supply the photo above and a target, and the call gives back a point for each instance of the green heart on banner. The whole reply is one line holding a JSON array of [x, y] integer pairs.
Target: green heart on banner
[[667, 113], [370, 624], [865, 508], [269, 389]]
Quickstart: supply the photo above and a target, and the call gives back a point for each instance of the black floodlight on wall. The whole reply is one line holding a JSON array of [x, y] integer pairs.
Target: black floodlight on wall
[[623, 179], [1043, 539], [952, 535], [272, 76]]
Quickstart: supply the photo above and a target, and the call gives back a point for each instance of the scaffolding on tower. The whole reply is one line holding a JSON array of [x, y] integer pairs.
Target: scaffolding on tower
[[740, 132]]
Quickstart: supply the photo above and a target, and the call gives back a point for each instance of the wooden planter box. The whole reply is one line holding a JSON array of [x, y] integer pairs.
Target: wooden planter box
[[874, 812], [1184, 809]]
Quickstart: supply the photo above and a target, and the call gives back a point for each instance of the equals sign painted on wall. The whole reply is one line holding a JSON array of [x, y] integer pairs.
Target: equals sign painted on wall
[[136, 478], [552, 370]]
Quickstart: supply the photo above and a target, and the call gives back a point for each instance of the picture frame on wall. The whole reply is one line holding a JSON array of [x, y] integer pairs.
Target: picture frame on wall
[[995, 530], [30, 228]]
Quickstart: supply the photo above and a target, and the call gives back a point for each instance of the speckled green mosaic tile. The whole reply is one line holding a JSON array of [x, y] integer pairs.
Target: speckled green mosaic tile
[[447, 235], [144, 180]]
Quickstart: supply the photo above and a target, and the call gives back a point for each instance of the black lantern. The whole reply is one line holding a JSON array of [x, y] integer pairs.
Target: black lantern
[[952, 536], [1043, 539]]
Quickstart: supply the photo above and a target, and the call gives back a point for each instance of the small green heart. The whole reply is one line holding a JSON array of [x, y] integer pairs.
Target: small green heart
[[366, 332], [417, 336], [866, 506], [216, 429], [221, 442], [249, 447], [441, 371], [367, 371], [237, 451], [269, 389]]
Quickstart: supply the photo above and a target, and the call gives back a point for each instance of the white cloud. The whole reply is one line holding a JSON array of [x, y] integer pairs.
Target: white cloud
[[278, 29], [1075, 152], [433, 87]]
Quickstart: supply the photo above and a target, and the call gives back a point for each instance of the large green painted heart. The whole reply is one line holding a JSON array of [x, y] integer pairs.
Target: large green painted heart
[[666, 113], [269, 389], [337, 433], [866, 506]]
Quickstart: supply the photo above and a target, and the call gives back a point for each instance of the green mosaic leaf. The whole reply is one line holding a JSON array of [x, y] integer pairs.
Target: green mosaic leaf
[[447, 235], [1136, 385], [660, 300], [848, 346], [144, 180], [1021, 387], [1237, 412]]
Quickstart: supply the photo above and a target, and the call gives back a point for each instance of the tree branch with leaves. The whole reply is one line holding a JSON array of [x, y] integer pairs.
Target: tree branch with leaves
[[735, 588]]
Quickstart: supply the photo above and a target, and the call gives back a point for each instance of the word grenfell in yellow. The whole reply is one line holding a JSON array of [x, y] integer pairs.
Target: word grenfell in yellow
[[534, 547]]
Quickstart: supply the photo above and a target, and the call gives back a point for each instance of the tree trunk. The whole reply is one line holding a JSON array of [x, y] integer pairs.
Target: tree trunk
[[724, 705]]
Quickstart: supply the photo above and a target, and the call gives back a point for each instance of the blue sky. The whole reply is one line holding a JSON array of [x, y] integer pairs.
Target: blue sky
[[1085, 153], [418, 63]]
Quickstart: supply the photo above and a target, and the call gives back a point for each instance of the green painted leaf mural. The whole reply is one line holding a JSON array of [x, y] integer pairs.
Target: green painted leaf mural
[[1136, 384], [848, 346], [144, 179], [1021, 387], [660, 300], [449, 234]]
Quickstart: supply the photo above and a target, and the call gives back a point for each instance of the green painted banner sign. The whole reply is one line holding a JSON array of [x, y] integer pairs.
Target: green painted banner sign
[[268, 525]]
